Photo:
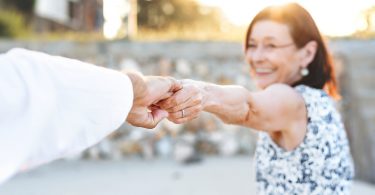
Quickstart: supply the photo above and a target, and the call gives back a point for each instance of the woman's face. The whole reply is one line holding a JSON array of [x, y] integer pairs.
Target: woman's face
[[272, 54]]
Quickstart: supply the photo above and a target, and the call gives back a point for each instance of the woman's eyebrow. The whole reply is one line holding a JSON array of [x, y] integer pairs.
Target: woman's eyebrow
[[267, 38]]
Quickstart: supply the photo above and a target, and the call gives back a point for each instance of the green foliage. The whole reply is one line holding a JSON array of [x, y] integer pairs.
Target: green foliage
[[183, 19], [227, 33], [12, 24], [162, 14]]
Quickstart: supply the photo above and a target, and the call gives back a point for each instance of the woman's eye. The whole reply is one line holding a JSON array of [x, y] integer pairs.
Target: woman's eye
[[270, 45], [251, 45]]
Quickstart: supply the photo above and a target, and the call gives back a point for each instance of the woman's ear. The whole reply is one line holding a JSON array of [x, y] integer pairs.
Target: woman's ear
[[308, 53]]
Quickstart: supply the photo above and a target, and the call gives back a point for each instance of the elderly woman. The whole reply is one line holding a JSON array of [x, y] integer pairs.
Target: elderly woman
[[302, 146]]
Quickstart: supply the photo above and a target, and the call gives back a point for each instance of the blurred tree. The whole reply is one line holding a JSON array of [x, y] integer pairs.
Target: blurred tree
[[162, 14], [369, 19], [24, 6], [14, 16], [12, 24], [369, 15]]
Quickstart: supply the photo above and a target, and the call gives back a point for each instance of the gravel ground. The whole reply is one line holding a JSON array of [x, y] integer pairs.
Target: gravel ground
[[212, 176]]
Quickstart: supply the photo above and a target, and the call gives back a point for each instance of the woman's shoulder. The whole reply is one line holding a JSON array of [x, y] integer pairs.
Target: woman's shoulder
[[280, 88], [283, 92], [309, 94], [287, 92], [286, 96]]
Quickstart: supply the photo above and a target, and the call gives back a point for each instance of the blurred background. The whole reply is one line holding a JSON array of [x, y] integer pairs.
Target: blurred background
[[198, 39]]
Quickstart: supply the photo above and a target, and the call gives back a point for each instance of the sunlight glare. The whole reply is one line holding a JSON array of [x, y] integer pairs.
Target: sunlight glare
[[114, 11], [334, 17]]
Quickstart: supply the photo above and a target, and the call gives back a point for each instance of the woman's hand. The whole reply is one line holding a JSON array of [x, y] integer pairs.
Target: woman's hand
[[185, 104]]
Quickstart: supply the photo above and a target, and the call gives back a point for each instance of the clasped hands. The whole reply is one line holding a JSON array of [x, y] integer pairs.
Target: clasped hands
[[156, 98]]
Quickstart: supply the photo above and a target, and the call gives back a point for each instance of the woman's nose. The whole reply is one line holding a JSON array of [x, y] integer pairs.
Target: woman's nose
[[255, 55]]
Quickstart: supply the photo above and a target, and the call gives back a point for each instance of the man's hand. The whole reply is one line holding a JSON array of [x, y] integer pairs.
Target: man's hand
[[148, 90]]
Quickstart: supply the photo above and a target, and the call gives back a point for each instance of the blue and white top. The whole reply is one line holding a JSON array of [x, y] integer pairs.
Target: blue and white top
[[321, 164]]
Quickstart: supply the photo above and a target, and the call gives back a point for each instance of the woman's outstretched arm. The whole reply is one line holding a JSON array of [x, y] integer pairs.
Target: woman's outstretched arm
[[275, 108]]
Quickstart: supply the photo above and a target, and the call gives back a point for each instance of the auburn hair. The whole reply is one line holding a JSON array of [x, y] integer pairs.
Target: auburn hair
[[303, 30]]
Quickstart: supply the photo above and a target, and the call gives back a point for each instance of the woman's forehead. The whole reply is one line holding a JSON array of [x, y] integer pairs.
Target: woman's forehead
[[270, 30]]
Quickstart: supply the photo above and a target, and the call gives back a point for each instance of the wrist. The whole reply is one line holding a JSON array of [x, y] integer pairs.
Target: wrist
[[208, 100], [139, 85], [204, 90]]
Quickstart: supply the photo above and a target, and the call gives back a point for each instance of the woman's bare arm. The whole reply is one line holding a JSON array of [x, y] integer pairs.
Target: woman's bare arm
[[276, 108]]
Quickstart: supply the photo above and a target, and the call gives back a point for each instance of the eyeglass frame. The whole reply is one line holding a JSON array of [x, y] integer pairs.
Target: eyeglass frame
[[270, 47]]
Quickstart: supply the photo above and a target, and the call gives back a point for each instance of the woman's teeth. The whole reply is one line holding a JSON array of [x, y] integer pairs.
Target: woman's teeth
[[264, 70]]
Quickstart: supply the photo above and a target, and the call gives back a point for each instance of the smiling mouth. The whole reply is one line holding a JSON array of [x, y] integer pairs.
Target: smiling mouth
[[264, 71]]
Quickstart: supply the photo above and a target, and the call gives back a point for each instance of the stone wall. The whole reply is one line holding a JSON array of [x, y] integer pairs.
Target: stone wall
[[223, 63], [358, 106]]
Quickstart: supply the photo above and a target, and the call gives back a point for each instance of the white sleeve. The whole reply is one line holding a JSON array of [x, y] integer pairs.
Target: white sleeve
[[52, 106]]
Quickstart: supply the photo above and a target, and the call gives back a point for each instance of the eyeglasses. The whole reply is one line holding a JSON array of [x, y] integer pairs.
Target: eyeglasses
[[268, 47]]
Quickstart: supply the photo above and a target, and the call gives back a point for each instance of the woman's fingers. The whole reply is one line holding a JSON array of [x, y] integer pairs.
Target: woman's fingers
[[192, 101], [185, 114], [184, 105], [180, 97]]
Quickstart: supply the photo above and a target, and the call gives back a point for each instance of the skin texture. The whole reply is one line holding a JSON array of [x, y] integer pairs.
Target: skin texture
[[149, 90]]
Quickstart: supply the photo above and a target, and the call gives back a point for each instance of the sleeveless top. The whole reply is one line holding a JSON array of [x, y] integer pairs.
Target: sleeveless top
[[321, 164]]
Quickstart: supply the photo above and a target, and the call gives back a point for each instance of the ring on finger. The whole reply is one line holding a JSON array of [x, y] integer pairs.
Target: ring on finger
[[182, 113]]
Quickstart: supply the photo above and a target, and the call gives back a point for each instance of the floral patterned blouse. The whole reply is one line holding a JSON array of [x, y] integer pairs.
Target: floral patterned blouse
[[321, 164]]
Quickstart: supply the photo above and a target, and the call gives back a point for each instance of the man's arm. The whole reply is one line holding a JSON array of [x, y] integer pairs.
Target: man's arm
[[52, 106]]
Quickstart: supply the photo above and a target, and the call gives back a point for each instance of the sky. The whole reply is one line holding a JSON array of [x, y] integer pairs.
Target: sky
[[333, 17]]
